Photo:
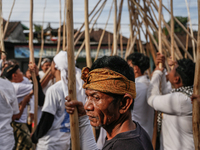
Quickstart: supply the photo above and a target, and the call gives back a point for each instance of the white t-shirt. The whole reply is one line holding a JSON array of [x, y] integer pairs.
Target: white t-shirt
[[176, 132], [142, 112], [143, 79], [58, 137], [8, 107], [21, 91]]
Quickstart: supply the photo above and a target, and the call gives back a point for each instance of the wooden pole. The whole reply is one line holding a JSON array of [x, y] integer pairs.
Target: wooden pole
[[102, 35], [196, 90], [187, 40], [74, 124], [59, 29], [87, 37], [160, 30], [64, 28], [172, 32], [42, 37], [6, 26], [121, 45], [32, 60], [191, 31], [115, 30]]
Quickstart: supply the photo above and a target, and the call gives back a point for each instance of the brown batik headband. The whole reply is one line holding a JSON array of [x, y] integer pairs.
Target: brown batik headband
[[108, 81]]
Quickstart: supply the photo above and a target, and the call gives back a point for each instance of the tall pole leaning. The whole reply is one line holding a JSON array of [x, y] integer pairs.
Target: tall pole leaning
[[196, 90], [160, 30], [172, 32], [74, 124], [115, 30], [32, 60], [87, 37]]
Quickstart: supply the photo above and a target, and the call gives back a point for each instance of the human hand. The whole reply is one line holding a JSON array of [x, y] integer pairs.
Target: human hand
[[28, 97], [160, 59], [70, 107], [33, 68], [194, 96]]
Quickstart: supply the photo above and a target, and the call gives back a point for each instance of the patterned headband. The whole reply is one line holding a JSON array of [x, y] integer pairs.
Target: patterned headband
[[108, 81]]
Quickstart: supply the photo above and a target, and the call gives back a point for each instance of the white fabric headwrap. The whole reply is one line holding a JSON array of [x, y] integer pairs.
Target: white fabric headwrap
[[61, 63]]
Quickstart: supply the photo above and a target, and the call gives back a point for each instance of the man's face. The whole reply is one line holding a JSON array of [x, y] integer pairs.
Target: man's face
[[18, 76], [28, 74], [171, 75], [45, 66], [100, 108]]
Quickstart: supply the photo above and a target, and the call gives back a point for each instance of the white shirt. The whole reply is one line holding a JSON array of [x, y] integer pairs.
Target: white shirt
[[21, 91], [58, 137], [176, 132], [142, 112], [143, 79], [8, 107]]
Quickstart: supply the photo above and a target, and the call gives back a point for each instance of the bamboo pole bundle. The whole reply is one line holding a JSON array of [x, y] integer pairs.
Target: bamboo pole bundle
[[196, 90], [32, 60], [102, 35], [42, 37], [87, 38], [179, 24], [6, 26], [193, 44], [59, 29], [74, 124], [115, 30], [76, 34], [83, 43]]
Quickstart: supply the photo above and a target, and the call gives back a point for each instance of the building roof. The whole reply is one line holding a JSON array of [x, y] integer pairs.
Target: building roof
[[11, 27]]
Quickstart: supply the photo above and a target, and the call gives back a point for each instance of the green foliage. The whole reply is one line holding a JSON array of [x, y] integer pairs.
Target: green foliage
[[37, 27]]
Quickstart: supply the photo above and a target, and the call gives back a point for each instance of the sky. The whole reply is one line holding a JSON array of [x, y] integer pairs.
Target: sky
[[52, 15]]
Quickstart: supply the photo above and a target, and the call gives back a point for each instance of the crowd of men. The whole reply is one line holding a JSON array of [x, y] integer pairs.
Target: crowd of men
[[116, 96]]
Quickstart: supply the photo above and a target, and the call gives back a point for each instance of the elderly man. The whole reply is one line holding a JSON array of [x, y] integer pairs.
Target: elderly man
[[53, 130], [110, 91], [175, 105]]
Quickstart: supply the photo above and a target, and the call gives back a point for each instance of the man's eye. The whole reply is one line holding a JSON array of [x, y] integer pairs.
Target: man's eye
[[96, 98]]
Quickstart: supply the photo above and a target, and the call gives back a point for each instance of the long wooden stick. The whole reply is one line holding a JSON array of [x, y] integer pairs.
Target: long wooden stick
[[102, 35], [87, 37], [42, 37], [172, 32], [119, 16], [83, 43], [74, 124], [196, 106], [191, 31], [121, 45], [64, 28], [1, 29], [186, 42], [160, 30], [59, 29], [6, 26], [32, 60], [115, 30]]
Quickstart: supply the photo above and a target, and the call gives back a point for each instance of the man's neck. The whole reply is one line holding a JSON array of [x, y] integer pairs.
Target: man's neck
[[123, 124]]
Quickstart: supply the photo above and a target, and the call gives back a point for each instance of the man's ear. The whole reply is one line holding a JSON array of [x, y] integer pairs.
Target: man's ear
[[13, 75], [177, 79], [125, 103]]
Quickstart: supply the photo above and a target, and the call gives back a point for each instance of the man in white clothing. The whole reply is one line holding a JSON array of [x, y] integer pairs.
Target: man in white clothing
[[142, 112], [176, 132], [53, 130]]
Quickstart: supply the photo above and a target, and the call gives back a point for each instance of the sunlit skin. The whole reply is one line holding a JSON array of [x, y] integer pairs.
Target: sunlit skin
[[115, 118], [45, 66], [28, 74]]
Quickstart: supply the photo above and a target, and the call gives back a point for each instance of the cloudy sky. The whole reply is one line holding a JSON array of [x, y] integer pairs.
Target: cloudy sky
[[21, 12]]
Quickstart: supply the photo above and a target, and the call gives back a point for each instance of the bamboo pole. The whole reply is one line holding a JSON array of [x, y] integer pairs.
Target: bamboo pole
[[115, 30], [187, 40], [121, 45], [196, 90], [172, 32], [87, 38], [42, 37], [193, 45], [64, 28], [83, 43], [6, 26], [181, 25], [32, 60], [59, 29], [130, 19], [160, 30], [74, 124], [102, 35], [1, 30], [119, 17]]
